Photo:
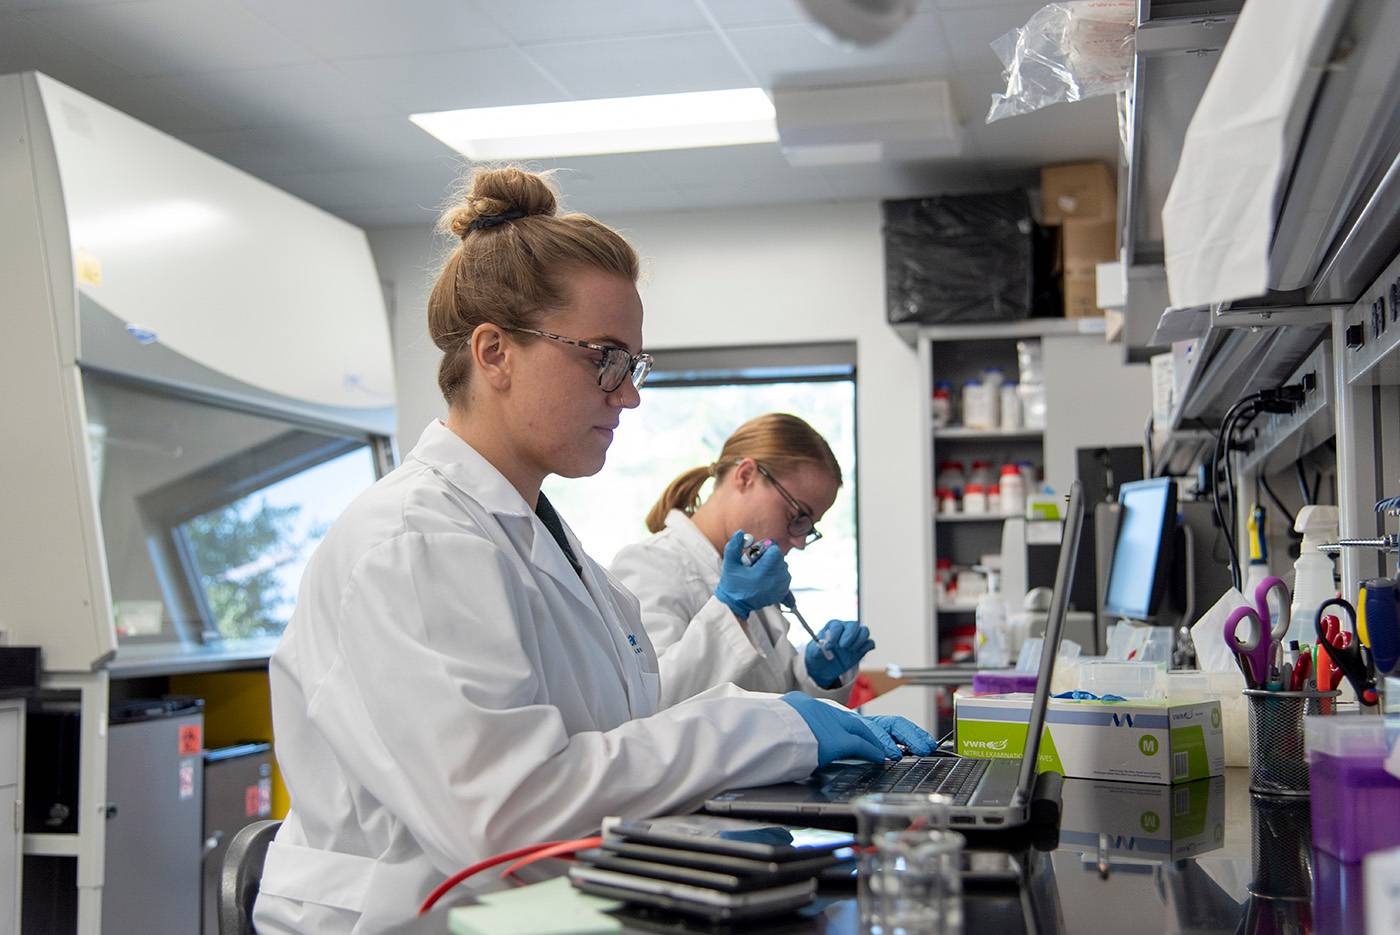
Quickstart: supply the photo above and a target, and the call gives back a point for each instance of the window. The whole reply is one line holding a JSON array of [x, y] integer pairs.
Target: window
[[689, 407], [209, 514]]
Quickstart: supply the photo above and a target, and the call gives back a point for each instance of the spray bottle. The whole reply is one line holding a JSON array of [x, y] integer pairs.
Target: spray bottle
[[992, 629], [1313, 580]]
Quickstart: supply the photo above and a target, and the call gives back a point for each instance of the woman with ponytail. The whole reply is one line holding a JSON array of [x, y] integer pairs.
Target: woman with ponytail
[[713, 619]]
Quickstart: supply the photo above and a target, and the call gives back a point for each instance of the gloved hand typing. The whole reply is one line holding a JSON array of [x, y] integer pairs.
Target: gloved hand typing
[[848, 642], [843, 734], [746, 588]]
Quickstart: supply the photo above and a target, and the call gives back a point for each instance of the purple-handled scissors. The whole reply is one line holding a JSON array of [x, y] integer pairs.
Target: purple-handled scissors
[[1256, 651]]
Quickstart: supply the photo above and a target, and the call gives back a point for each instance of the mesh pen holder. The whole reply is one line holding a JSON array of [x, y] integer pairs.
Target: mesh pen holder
[[1278, 757]]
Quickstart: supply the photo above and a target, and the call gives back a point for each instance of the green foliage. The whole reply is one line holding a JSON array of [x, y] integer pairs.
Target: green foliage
[[239, 552]]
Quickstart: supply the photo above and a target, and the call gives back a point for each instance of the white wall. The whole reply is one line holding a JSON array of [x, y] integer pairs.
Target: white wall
[[792, 274], [1092, 399]]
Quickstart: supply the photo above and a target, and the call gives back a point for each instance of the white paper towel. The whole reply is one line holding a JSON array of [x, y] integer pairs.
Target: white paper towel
[[1218, 220]]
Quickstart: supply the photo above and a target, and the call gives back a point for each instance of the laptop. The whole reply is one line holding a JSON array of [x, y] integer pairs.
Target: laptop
[[990, 793]]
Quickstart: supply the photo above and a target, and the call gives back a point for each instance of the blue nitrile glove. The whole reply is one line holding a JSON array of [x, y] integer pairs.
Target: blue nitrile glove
[[848, 642], [843, 734], [906, 733], [746, 588]]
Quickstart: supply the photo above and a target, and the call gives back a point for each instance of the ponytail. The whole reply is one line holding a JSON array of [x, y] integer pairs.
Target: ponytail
[[683, 494]]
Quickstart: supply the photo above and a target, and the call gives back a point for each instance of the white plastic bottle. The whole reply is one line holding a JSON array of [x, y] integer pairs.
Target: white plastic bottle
[[1013, 491], [992, 650], [1312, 572]]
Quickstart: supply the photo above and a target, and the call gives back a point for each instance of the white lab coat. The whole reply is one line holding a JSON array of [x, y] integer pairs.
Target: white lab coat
[[448, 688], [699, 640]]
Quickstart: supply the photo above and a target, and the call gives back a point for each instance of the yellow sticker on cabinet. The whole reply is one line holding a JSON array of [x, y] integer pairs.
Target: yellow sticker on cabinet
[[89, 268]]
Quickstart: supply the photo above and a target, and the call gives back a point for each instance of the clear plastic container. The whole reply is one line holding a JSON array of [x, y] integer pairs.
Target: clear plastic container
[[1010, 407], [1356, 803], [1224, 687], [1128, 679]]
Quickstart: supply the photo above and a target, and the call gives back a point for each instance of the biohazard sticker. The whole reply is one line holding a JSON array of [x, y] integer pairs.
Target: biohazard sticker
[[191, 740]]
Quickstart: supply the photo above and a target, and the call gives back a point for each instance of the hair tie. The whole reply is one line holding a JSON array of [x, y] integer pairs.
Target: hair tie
[[712, 470], [488, 221]]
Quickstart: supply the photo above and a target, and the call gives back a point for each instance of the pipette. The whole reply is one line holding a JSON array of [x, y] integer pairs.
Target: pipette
[[752, 550]]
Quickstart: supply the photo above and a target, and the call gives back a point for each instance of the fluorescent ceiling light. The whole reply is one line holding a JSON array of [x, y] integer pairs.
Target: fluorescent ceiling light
[[608, 125]]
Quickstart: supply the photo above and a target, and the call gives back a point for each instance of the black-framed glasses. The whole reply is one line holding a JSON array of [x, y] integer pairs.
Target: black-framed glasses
[[800, 525], [615, 366]]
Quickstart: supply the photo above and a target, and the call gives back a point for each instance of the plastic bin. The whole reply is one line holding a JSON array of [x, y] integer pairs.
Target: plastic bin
[[1224, 687], [1356, 808], [1127, 679], [1003, 683]]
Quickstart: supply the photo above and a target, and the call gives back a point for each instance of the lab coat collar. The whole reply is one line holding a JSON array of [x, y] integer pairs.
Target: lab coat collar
[[444, 450], [694, 541]]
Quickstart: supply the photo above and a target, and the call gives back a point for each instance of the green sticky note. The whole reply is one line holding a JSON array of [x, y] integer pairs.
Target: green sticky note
[[550, 908]]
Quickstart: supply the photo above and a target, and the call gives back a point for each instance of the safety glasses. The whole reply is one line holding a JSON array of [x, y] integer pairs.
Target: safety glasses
[[615, 365], [802, 523]]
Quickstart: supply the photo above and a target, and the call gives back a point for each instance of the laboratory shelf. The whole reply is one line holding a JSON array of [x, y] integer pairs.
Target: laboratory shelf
[[972, 517], [998, 330], [958, 433]]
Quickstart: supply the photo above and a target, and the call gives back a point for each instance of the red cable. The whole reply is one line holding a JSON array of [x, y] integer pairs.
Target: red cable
[[486, 864], [552, 850]]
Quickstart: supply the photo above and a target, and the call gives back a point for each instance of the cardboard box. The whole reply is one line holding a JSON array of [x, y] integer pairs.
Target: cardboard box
[[1081, 297], [1081, 191], [1084, 245], [1147, 822], [1139, 740]]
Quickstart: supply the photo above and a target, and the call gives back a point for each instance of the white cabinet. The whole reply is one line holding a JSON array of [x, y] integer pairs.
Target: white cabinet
[[11, 815]]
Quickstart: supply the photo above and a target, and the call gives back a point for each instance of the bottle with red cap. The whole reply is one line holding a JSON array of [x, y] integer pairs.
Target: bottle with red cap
[[1013, 491]]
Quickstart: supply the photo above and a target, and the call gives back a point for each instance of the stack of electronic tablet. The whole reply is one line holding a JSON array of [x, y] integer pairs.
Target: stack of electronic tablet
[[718, 868]]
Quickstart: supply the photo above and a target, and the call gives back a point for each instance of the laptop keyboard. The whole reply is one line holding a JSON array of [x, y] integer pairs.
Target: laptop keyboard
[[955, 777]]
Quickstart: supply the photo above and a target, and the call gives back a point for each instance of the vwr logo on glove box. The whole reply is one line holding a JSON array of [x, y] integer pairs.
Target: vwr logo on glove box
[[1139, 740]]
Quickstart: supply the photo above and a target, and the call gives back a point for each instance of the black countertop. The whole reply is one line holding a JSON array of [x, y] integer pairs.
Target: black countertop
[[1206, 857]]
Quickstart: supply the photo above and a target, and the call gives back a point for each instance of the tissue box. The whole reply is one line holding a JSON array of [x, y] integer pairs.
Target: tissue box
[[1150, 822], [1142, 740]]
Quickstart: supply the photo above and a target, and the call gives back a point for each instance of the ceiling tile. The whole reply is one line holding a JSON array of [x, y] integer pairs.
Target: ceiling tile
[[412, 188], [800, 54], [282, 96], [1058, 133], [971, 31], [756, 12], [654, 65], [360, 28], [156, 37], [448, 81], [268, 151], [157, 102], [25, 45], [532, 21]]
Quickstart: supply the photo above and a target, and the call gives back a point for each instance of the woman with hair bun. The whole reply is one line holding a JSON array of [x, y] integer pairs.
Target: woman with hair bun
[[713, 619], [459, 678]]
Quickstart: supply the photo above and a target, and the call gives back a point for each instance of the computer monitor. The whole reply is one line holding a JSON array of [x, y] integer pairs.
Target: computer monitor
[[1141, 556]]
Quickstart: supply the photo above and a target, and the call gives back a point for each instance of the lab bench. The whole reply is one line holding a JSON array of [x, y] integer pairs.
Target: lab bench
[[1208, 856]]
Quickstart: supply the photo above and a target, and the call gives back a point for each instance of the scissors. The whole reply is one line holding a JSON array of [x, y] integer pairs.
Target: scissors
[[1255, 652], [1345, 649]]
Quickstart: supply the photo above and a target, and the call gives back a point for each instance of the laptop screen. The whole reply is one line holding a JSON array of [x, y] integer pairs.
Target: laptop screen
[[1054, 629]]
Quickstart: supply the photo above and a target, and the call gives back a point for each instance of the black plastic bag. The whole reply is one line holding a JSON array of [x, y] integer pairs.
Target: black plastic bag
[[959, 258]]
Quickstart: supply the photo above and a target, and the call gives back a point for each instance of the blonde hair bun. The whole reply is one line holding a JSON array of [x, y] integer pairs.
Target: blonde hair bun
[[492, 192]]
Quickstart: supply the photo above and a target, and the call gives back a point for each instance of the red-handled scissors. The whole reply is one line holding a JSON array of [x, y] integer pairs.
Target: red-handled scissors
[[1344, 649], [1256, 650]]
